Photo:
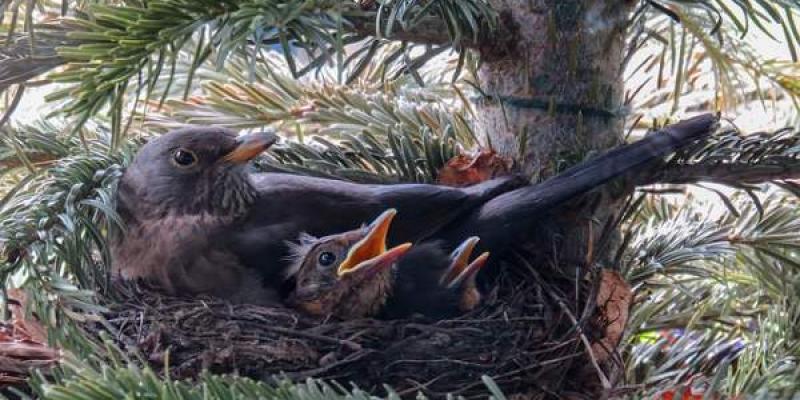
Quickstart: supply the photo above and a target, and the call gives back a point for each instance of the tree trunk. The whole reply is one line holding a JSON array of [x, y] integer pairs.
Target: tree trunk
[[551, 101]]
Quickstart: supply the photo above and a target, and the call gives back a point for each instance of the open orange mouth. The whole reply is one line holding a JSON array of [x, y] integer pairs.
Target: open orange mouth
[[371, 252]]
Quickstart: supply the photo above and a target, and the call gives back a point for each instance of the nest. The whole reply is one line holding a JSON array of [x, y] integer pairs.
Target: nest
[[531, 337]]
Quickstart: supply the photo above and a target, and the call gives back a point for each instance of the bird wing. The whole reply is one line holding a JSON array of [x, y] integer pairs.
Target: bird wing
[[290, 204]]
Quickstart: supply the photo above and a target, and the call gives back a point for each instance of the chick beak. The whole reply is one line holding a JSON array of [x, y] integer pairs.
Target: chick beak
[[249, 146], [459, 260], [370, 254], [382, 262], [468, 276]]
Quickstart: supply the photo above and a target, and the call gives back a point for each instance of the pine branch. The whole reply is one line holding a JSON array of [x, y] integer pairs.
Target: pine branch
[[712, 288], [55, 222], [363, 158], [243, 95], [371, 130], [319, 108], [82, 381], [682, 44], [117, 373], [25, 56], [694, 241], [709, 269], [431, 30], [730, 174], [11, 163], [116, 44], [733, 159]]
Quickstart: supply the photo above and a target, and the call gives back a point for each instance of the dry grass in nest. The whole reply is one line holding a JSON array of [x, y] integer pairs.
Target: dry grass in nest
[[525, 337]]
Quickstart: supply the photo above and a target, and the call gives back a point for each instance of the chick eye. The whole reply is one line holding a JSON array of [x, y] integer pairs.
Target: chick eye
[[326, 258], [184, 158]]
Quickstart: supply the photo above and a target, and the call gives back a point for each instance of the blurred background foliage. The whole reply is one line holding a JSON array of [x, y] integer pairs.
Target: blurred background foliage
[[714, 264]]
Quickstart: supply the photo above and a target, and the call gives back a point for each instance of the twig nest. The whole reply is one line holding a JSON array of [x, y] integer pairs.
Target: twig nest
[[521, 338]]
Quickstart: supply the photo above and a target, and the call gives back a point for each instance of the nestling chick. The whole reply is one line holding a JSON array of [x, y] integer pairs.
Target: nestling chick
[[431, 282], [347, 275], [353, 275]]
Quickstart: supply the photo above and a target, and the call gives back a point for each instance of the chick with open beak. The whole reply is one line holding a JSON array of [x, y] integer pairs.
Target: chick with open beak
[[347, 275], [461, 274], [432, 282]]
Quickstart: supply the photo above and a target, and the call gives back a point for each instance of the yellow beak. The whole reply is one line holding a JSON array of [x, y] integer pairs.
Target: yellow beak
[[370, 252], [250, 146], [459, 260], [468, 275]]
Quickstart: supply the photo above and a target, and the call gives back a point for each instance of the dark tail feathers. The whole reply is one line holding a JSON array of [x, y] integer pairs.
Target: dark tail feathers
[[513, 213]]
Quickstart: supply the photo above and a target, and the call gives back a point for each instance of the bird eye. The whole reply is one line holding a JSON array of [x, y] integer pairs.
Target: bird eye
[[326, 258], [184, 158]]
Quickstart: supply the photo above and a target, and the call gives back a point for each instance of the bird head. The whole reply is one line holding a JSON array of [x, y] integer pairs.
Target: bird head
[[348, 275], [192, 171]]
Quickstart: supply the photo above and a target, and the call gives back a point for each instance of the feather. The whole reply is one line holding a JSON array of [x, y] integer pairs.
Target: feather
[[298, 249]]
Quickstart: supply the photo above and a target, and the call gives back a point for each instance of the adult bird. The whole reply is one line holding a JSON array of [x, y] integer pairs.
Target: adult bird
[[198, 222], [179, 201]]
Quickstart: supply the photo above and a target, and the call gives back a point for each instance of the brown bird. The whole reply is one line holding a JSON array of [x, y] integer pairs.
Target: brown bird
[[180, 200], [198, 222], [353, 275], [347, 275]]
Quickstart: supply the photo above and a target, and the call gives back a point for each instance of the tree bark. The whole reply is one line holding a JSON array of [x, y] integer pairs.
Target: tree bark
[[567, 62], [552, 100]]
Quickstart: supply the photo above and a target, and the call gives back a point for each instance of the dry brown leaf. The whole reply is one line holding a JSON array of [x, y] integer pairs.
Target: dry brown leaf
[[23, 343], [24, 326], [614, 298], [19, 355], [469, 169]]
